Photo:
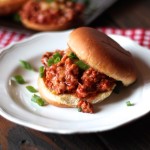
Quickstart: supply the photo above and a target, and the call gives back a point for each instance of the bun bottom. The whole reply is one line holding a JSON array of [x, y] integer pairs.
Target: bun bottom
[[47, 27], [66, 100]]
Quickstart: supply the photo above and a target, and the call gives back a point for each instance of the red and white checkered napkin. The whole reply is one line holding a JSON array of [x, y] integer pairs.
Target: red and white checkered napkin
[[141, 36], [9, 36]]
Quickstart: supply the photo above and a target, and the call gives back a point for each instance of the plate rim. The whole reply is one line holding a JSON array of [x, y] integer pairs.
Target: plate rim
[[44, 129]]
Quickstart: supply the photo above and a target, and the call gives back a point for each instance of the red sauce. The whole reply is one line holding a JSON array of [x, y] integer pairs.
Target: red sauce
[[66, 77], [57, 12]]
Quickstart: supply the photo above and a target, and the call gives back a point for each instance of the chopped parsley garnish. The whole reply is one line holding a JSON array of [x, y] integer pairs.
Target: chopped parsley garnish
[[129, 103], [26, 65], [37, 99], [57, 55], [79, 109], [41, 71], [82, 65], [78, 62], [72, 56], [55, 59], [31, 89], [19, 79], [50, 61]]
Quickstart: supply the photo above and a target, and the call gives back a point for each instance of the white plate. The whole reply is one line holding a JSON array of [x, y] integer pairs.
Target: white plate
[[16, 105]]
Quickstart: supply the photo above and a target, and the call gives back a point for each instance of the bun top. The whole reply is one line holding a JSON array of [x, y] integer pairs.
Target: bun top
[[103, 54]]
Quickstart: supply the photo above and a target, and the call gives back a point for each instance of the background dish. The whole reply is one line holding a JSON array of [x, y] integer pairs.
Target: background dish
[[16, 105]]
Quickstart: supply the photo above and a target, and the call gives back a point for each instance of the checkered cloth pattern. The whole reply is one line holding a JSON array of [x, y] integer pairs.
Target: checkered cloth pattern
[[9, 36], [141, 36]]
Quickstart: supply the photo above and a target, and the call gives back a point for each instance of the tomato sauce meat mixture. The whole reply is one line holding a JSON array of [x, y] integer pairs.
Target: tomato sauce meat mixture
[[66, 74], [51, 12]]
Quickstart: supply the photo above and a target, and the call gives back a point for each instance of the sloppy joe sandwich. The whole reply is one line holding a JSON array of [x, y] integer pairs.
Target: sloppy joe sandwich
[[43, 15], [10, 6], [86, 72]]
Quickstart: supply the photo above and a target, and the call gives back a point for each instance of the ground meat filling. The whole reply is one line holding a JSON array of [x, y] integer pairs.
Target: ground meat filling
[[93, 82], [67, 77], [55, 12]]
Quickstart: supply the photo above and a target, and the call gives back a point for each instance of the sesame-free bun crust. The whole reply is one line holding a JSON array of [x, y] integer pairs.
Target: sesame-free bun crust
[[66, 100], [10, 6], [103, 54], [46, 27]]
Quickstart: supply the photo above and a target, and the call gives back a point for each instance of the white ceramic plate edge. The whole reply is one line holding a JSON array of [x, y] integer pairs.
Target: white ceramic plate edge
[[45, 129]]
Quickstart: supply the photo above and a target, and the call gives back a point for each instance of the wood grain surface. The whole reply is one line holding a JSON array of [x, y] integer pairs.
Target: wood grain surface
[[132, 136]]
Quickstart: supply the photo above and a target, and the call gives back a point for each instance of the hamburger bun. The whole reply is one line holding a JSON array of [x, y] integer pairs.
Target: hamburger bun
[[66, 100], [46, 27], [51, 16], [103, 54], [10, 6]]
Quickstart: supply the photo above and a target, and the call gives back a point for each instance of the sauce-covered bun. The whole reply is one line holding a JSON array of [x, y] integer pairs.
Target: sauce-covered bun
[[67, 100], [103, 54], [88, 71], [10, 6], [45, 15]]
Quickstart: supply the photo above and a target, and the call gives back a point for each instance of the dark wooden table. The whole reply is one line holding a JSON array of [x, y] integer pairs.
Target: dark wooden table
[[132, 136]]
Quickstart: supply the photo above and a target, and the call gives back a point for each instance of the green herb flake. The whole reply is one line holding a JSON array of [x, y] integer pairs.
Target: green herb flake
[[72, 56], [57, 55], [37, 99], [26, 65], [129, 103], [41, 71], [31, 89], [55, 59], [19, 79], [50, 61], [82, 65], [79, 109]]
